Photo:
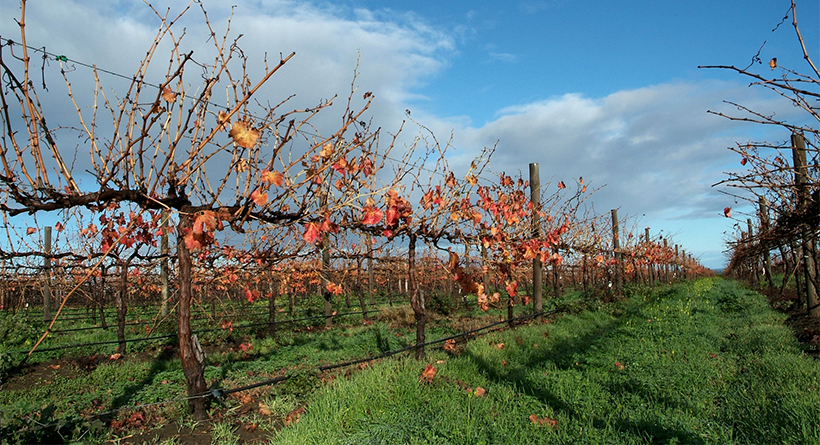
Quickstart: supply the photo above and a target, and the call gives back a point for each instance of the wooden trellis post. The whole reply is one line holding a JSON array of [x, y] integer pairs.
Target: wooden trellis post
[[537, 267]]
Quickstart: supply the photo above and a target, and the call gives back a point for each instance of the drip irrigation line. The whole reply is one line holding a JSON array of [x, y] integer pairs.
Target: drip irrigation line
[[218, 393], [96, 343], [440, 340], [159, 337], [90, 328]]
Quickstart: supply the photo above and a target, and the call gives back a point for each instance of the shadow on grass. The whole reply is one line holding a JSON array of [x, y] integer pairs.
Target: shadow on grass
[[564, 354], [158, 364]]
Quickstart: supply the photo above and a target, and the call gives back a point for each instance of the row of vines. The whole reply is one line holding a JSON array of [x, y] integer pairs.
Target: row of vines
[[780, 182], [199, 182]]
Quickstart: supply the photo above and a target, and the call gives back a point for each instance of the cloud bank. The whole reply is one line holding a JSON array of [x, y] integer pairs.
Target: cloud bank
[[656, 149]]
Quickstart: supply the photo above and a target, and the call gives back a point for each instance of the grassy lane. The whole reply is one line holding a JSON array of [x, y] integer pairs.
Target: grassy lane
[[702, 362]]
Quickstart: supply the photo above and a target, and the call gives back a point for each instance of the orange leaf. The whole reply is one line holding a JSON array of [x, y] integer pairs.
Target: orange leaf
[[168, 95], [275, 178], [512, 288], [327, 151], [243, 134], [428, 374], [727, 212], [561, 185], [260, 198], [293, 417], [115, 356], [773, 63], [480, 392], [31, 230], [222, 120], [334, 288], [207, 221], [543, 421]]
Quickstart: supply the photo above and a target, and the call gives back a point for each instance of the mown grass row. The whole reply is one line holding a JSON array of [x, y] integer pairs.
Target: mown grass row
[[703, 362]]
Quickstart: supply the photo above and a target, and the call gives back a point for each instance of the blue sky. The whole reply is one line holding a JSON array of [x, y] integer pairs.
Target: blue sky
[[605, 90]]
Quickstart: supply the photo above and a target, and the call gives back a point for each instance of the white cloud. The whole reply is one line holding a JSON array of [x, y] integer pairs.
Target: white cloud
[[655, 148]]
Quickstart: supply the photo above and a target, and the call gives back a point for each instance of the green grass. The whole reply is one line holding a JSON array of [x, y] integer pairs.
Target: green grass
[[700, 362], [704, 362]]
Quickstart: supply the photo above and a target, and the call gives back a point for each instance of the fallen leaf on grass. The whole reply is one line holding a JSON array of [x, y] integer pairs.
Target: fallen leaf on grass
[[499, 346], [428, 374], [54, 366], [264, 409], [619, 366], [294, 416], [115, 356], [480, 392], [543, 421]]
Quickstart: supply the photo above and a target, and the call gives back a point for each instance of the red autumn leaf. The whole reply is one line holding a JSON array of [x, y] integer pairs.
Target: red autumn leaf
[[480, 392], [251, 295], [59, 226], [428, 374], [259, 198], [512, 288], [727, 212], [227, 325], [561, 185], [543, 421], [372, 215], [334, 288], [619, 366], [743, 161], [312, 232], [192, 242], [30, 230]]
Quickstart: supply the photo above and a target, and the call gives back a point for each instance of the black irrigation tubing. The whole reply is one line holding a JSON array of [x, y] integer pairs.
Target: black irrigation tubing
[[217, 393], [107, 342], [91, 328], [111, 342], [440, 340]]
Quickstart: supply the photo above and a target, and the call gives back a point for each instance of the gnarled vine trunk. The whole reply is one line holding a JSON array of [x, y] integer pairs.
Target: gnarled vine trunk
[[193, 360]]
